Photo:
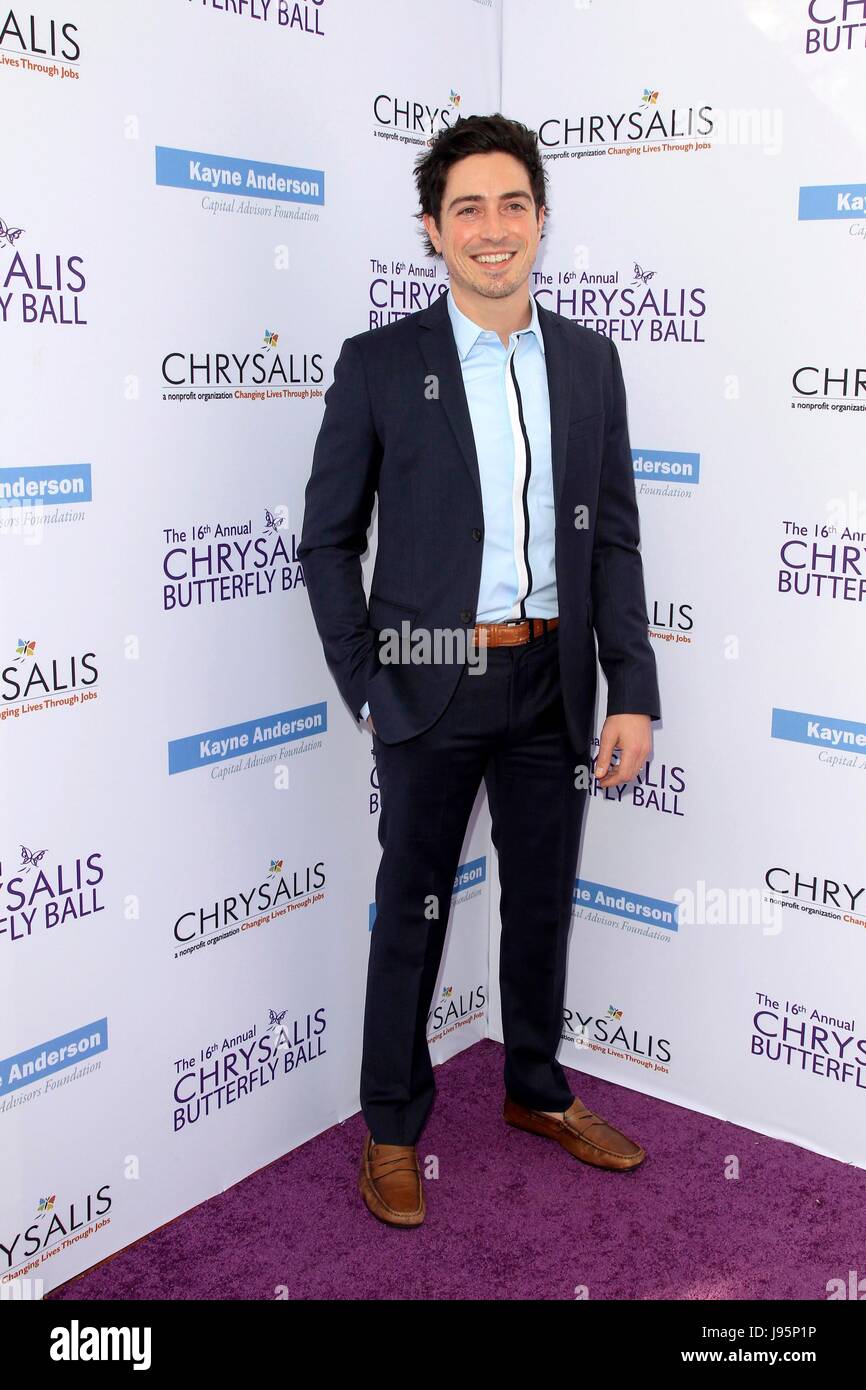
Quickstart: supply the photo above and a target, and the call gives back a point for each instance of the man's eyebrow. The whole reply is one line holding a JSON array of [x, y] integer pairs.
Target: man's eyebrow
[[481, 197]]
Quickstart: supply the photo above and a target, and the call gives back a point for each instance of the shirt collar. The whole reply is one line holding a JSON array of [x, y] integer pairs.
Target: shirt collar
[[466, 332]]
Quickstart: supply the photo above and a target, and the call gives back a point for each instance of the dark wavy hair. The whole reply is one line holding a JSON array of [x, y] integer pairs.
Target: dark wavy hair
[[476, 135]]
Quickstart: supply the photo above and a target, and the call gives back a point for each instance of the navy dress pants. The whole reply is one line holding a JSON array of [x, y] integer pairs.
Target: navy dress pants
[[508, 727]]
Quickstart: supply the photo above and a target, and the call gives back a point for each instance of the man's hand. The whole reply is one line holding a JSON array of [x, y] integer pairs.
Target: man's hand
[[632, 735], [370, 725]]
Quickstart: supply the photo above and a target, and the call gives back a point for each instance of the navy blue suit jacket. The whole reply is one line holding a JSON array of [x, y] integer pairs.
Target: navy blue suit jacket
[[397, 425]]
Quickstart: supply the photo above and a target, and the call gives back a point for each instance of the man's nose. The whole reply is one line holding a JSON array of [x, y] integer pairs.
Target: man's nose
[[494, 232], [493, 227]]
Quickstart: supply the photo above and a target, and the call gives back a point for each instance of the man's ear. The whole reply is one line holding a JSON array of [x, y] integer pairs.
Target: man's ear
[[432, 230]]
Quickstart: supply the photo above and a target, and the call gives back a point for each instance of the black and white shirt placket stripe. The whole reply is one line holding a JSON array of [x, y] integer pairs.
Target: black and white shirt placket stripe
[[520, 487]]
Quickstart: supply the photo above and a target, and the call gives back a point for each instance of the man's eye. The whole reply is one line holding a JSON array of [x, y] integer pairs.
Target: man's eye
[[521, 207]]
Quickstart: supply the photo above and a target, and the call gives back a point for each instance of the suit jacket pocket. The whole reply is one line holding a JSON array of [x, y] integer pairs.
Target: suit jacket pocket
[[388, 612], [585, 422]]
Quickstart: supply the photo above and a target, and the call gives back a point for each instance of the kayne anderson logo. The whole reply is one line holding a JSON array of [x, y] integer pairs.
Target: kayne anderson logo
[[826, 202], [250, 742], [32, 684], [47, 1059], [37, 897], [842, 742], [468, 882], [216, 562], [278, 893], [43, 495], [245, 375], [409, 121], [32, 44], [38, 287], [469, 879], [240, 180], [665, 472], [650, 126], [633, 305], [835, 202], [631, 912]]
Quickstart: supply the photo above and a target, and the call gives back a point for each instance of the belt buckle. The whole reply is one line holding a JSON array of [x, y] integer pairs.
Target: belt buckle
[[519, 622]]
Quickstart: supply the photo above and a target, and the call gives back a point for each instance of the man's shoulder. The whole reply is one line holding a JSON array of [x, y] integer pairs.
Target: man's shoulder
[[386, 336], [580, 339]]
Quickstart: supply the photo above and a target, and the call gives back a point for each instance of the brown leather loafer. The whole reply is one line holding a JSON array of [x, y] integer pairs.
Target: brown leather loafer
[[390, 1183], [583, 1133]]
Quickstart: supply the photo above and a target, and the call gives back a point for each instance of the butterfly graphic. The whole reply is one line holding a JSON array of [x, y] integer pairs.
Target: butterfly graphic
[[650, 98], [276, 866], [613, 1013], [270, 339], [447, 991], [455, 98], [46, 1204], [644, 275], [275, 1019], [28, 858], [24, 648], [270, 525], [9, 235]]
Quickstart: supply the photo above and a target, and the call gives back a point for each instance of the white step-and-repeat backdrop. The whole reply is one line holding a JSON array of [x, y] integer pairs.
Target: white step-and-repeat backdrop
[[200, 201], [708, 212]]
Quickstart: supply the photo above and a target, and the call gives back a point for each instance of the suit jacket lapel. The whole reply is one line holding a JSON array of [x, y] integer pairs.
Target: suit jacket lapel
[[558, 362], [439, 350]]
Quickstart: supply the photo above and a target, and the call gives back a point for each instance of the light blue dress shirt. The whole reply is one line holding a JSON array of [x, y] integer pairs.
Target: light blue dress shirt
[[509, 405]]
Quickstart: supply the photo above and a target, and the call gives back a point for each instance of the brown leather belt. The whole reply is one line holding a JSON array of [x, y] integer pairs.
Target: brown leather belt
[[513, 634]]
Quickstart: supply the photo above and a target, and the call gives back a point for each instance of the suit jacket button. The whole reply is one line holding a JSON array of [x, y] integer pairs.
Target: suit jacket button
[[465, 615], [476, 533]]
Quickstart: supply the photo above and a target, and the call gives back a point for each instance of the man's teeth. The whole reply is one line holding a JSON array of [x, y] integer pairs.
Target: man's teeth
[[493, 260]]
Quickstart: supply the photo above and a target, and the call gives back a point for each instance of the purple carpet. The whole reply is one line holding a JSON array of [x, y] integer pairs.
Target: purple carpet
[[513, 1216]]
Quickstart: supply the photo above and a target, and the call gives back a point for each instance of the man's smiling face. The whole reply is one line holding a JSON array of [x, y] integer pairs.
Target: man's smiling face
[[488, 231]]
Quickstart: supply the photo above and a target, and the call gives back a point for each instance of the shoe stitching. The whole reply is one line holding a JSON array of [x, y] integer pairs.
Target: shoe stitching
[[385, 1166], [600, 1148], [615, 1153], [374, 1180]]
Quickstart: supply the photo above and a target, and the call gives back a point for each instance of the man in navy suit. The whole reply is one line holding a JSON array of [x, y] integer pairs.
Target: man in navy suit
[[493, 433]]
